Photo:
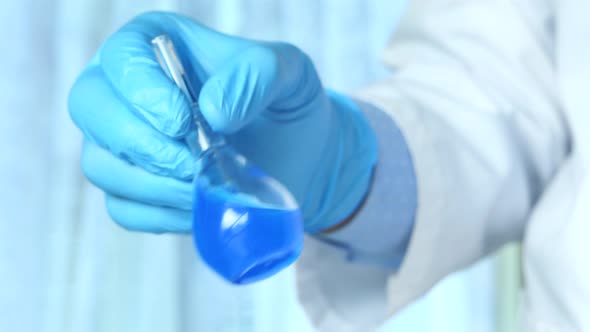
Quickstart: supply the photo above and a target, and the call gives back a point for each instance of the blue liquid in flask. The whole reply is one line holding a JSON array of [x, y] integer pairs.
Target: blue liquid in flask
[[244, 243]]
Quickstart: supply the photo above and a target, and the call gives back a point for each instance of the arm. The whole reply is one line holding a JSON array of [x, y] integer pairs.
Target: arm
[[473, 96]]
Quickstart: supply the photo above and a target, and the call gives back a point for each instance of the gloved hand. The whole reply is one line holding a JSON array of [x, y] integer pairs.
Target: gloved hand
[[266, 97]]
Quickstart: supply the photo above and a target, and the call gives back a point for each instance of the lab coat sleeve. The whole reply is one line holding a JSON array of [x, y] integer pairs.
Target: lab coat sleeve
[[473, 94]]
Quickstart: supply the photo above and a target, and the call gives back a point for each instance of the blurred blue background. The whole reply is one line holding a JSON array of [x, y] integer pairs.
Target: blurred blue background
[[65, 267]]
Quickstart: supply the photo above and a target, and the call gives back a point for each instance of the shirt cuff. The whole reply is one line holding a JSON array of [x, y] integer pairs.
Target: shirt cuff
[[380, 231]]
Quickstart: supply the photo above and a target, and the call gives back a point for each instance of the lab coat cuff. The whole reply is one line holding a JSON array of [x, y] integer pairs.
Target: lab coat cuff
[[419, 270]]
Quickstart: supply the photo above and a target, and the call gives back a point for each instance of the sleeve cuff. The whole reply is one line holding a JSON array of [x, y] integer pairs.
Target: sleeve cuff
[[380, 231]]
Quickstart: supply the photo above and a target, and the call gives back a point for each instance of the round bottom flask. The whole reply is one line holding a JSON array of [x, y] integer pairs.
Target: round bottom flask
[[246, 225]]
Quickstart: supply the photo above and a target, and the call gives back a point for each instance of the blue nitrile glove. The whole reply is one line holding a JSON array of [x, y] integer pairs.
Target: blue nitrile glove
[[266, 97]]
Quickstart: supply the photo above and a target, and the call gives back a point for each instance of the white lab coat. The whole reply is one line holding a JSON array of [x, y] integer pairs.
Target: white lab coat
[[492, 97]]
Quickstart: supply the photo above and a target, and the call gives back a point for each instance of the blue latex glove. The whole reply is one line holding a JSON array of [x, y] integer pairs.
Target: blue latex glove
[[266, 97]]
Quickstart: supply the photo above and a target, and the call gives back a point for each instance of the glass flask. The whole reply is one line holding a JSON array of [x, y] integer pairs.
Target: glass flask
[[246, 225]]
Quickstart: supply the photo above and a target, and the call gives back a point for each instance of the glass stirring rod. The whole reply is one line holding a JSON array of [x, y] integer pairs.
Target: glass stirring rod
[[246, 225]]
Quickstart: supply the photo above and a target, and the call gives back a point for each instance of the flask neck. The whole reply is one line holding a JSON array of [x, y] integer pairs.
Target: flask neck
[[206, 138]]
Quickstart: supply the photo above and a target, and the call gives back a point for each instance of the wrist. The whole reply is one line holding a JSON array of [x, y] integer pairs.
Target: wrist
[[349, 165]]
